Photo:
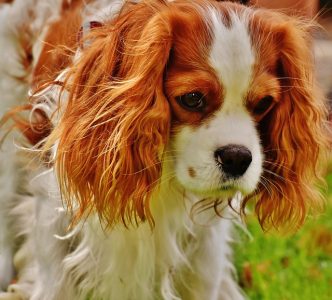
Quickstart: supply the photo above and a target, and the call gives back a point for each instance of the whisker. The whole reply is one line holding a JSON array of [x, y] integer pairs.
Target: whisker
[[279, 176], [264, 182], [279, 165], [162, 180], [148, 167], [270, 183], [278, 149]]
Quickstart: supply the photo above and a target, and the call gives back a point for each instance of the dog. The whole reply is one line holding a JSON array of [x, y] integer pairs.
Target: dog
[[143, 130]]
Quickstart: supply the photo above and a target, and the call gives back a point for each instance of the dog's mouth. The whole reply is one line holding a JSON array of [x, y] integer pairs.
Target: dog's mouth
[[223, 191], [226, 190], [227, 187]]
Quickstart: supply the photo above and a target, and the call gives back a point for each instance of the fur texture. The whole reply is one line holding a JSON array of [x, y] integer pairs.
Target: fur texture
[[123, 189]]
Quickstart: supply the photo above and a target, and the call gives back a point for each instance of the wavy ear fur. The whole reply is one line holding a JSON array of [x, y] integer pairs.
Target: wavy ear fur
[[116, 121], [294, 133]]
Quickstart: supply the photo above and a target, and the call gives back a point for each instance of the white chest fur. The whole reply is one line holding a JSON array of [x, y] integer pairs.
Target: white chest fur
[[180, 258]]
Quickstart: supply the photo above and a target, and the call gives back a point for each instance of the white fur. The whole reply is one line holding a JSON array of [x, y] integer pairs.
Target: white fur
[[183, 255]]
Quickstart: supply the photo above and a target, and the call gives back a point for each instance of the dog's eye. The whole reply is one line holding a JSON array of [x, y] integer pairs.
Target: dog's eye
[[194, 101], [263, 105]]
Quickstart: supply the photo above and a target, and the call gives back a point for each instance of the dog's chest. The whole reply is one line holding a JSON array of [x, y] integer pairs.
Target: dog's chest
[[137, 263]]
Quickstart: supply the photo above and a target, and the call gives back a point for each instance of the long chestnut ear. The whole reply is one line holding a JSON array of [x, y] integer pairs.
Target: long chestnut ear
[[116, 120], [294, 133]]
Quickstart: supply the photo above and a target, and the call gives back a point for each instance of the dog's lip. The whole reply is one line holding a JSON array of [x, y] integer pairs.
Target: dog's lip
[[218, 191], [233, 188], [227, 187], [228, 184]]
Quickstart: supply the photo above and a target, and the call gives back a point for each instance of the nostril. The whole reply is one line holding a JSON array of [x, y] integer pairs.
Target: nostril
[[233, 159]]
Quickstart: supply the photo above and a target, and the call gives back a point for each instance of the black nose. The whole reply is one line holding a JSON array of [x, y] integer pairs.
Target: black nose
[[233, 159]]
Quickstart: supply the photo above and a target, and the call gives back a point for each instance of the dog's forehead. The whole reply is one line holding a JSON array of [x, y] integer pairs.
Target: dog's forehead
[[219, 42], [231, 54]]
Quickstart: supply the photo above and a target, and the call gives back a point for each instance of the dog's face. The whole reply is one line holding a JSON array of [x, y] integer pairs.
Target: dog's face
[[223, 91], [214, 138]]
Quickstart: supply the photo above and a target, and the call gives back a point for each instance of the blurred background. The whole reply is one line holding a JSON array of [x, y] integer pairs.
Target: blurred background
[[299, 266]]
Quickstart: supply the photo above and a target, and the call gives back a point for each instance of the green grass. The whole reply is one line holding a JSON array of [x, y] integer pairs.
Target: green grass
[[272, 267]]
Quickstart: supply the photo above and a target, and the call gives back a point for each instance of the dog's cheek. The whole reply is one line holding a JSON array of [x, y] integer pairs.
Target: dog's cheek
[[194, 165]]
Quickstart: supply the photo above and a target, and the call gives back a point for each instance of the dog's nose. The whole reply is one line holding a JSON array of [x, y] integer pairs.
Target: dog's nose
[[233, 159]]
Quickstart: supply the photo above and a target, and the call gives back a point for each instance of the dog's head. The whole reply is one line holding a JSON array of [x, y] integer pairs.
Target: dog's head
[[223, 91]]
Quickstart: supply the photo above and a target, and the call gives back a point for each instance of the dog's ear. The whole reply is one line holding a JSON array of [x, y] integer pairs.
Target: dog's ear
[[294, 133], [116, 120]]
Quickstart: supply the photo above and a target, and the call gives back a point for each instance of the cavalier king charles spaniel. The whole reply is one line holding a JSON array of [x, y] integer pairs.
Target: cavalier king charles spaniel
[[143, 129]]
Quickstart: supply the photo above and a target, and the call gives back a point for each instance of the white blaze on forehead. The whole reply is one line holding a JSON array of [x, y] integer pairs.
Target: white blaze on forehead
[[231, 53]]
